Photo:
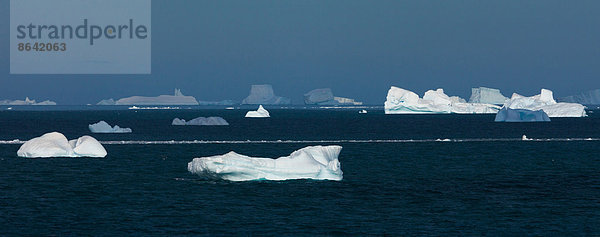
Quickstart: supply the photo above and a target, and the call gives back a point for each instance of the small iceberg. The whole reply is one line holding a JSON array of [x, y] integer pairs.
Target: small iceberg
[[259, 113], [55, 144], [521, 115], [104, 127], [201, 121], [313, 162]]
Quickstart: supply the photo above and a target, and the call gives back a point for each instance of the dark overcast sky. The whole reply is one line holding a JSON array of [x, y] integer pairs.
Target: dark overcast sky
[[215, 50]]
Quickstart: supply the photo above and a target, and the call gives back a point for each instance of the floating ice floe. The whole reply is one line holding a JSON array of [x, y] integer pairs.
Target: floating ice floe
[[313, 162], [104, 127], [521, 115], [401, 101], [55, 144], [177, 99], [259, 113], [263, 94], [587, 98], [201, 121], [545, 101], [487, 96]]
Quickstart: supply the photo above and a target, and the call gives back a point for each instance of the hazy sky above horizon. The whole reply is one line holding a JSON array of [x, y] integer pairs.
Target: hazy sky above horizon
[[214, 50]]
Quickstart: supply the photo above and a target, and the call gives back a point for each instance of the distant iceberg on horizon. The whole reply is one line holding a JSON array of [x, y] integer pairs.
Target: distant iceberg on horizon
[[177, 99], [312, 162], [104, 127], [586, 98], [402, 101], [264, 94], [521, 115], [200, 121], [545, 101], [324, 96], [110, 101], [55, 144], [486, 95], [27, 101], [261, 112]]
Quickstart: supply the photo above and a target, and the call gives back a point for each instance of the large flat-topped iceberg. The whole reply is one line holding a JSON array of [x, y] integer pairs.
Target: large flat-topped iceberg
[[259, 113], [55, 144], [104, 127], [177, 99], [201, 121], [587, 98], [324, 96], [263, 94], [545, 101], [401, 101], [487, 96], [313, 162], [521, 115], [27, 101]]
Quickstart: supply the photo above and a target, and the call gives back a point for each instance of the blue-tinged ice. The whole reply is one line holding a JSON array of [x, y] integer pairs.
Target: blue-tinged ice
[[201, 121], [263, 94], [313, 162], [521, 115], [104, 127]]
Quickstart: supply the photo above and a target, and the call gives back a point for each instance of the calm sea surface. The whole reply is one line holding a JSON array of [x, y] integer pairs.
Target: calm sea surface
[[400, 176]]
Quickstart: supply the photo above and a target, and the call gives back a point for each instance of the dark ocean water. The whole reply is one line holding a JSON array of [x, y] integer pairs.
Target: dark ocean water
[[496, 186]]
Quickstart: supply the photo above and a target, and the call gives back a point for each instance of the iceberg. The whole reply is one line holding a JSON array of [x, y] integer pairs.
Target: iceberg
[[263, 94], [545, 101], [259, 113], [587, 98], [521, 115], [201, 121], [313, 162], [55, 144], [401, 101], [104, 127], [222, 102], [319, 96], [27, 101], [177, 99], [110, 101], [487, 96], [324, 96]]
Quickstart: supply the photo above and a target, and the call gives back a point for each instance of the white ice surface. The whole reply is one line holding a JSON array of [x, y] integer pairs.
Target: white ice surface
[[545, 101], [259, 113], [401, 101], [55, 144], [313, 162]]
